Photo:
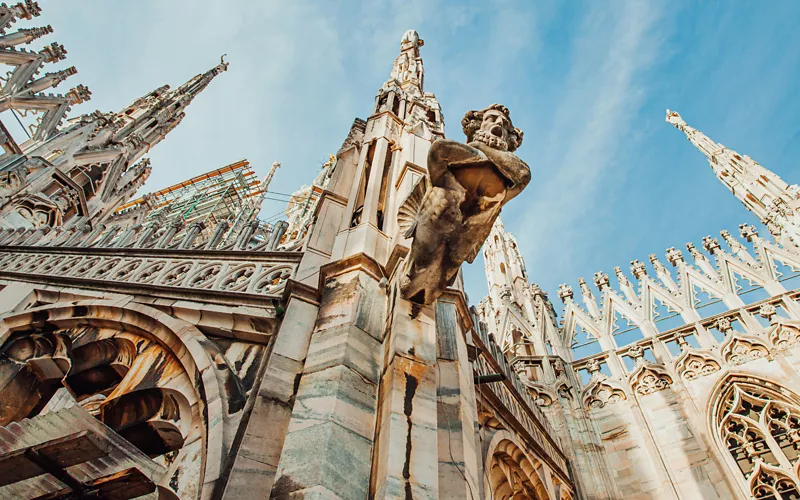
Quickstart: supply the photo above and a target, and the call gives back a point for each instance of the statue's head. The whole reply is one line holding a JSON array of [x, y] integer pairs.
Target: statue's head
[[492, 126]]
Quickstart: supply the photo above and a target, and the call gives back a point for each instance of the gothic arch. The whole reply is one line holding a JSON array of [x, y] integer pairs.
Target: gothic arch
[[600, 392], [755, 424], [510, 473], [191, 353]]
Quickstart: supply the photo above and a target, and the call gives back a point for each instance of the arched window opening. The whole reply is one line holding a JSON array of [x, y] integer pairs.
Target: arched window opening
[[584, 343], [758, 424], [625, 330], [511, 475], [706, 304], [788, 275], [748, 290]]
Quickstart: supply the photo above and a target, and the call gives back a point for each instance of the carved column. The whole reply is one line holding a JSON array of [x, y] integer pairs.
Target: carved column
[[191, 234], [456, 412], [328, 447], [277, 233], [406, 433], [216, 236], [170, 233]]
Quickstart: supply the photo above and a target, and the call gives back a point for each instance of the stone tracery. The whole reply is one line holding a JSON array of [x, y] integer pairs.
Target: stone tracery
[[758, 427]]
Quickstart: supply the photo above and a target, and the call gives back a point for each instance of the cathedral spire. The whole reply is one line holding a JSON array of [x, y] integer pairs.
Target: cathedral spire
[[199, 83], [407, 70], [773, 201]]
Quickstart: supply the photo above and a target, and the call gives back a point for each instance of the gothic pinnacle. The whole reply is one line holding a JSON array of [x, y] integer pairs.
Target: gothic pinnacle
[[53, 52], [78, 95]]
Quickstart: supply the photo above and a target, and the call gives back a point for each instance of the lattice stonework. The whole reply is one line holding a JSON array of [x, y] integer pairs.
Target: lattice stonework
[[758, 426], [246, 274]]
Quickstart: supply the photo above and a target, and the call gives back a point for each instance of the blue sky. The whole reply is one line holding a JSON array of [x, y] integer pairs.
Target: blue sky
[[587, 82]]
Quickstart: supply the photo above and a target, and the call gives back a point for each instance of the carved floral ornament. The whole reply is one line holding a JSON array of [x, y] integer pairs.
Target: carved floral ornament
[[693, 364], [540, 395], [602, 392], [740, 349], [243, 277], [649, 379], [784, 335]]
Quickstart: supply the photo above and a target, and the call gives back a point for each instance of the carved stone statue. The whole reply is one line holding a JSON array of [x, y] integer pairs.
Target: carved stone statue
[[451, 217]]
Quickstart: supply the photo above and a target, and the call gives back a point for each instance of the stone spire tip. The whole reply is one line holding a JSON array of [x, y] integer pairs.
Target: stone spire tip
[[674, 118], [411, 37]]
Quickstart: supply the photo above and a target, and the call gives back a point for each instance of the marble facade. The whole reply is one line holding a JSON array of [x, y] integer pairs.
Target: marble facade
[[217, 360]]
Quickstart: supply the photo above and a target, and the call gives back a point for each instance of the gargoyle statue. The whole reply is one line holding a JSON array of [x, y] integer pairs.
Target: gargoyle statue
[[450, 213]]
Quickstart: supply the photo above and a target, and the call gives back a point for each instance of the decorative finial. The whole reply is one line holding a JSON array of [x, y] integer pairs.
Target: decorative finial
[[601, 280], [711, 245], [748, 232], [564, 292], [674, 256], [638, 269], [674, 118]]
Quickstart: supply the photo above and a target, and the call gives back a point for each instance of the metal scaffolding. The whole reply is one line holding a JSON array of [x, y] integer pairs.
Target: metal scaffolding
[[231, 193]]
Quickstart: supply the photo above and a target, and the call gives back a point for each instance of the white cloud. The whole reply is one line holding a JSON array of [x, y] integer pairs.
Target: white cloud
[[602, 93]]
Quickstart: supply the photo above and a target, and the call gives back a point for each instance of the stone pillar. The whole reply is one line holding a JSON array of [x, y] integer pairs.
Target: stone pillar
[[328, 448], [188, 239], [457, 414], [172, 229], [148, 232], [277, 233], [257, 457], [216, 236], [406, 437]]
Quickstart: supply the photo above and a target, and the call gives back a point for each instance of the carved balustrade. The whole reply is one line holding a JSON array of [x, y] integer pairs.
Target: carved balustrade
[[512, 395]]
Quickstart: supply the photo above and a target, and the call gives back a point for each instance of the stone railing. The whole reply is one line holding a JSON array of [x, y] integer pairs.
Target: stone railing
[[236, 265], [764, 329], [176, 235], [512, 394]]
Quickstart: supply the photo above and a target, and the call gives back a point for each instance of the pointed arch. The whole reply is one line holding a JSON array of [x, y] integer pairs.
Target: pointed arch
[[739, 349], [511, 472], [755, 424], [649, 378], [695, 363], [601, 392]]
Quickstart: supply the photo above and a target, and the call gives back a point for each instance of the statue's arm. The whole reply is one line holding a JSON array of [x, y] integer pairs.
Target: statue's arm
[[444, 152], [510, 165]]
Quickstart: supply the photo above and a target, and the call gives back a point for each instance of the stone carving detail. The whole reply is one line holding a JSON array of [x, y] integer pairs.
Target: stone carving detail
[[758, 424], [469, 184], [649, 379], [602, 393], [739, 349], [693, 364], [540, 395], [784, 336], [239, 276]]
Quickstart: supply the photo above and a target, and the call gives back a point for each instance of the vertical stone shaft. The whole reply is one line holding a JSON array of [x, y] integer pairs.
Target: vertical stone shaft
[[456, 411], [407, 428], [328, 448], [256, 460]]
